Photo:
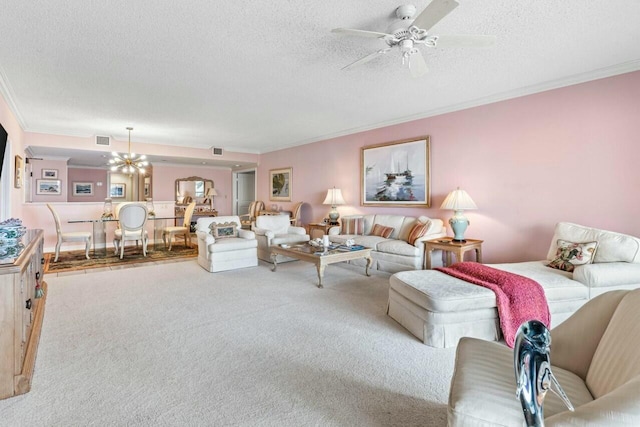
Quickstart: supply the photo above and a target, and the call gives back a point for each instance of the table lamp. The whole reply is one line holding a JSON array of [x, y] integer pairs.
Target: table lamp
[[211, 192], [458, 201], [334, 198]]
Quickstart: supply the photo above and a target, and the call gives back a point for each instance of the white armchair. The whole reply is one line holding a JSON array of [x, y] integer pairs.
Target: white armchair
[[594, 356], [274, 230], [223, 248]]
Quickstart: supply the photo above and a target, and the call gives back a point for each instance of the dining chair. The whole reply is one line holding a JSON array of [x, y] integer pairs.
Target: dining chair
[[132, 218], [248, 220], [73, 236], [295, 213], [184, 230]]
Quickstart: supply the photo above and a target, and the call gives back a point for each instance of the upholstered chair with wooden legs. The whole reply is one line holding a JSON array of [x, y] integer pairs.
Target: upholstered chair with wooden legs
[[74, 236], [184, 230]]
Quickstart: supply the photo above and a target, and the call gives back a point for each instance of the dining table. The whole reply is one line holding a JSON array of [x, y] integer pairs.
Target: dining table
[[100, 226]]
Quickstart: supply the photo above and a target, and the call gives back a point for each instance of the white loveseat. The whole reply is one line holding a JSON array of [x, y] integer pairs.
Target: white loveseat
[[393, 254], [440, 309], [228, 253]]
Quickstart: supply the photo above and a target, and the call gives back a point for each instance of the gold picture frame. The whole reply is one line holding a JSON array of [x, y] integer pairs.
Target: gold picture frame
[[19, 165], [396, 174], [280, 184]]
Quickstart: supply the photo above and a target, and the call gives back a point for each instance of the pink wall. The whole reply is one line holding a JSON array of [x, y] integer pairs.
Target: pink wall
[[98, 177], [16, 147], [569, 154]]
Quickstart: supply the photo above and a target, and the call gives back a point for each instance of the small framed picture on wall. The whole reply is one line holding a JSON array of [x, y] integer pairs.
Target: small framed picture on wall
[[117, 190], [50, 173], [48, 186], [19, 165], [82, 189], [280, 184]]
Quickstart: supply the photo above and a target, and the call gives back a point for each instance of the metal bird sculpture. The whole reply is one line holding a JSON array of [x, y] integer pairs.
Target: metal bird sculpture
[[533, 371]]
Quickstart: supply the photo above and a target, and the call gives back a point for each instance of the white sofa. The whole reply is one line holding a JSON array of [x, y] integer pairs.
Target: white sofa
[[226, 253], [594, 355], [440, 309], [274, 230], [393, 254]]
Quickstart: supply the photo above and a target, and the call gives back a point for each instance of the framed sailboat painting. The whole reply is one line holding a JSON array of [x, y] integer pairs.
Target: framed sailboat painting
[[396, 174]]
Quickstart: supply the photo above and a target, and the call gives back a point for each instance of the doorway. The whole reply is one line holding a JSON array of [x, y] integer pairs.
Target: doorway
[[244, 190]]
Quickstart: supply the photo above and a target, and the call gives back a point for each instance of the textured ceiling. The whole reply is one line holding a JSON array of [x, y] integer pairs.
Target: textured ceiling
[[256, 76]]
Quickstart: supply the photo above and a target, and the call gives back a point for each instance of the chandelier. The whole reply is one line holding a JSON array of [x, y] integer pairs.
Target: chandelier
[[128, 163]]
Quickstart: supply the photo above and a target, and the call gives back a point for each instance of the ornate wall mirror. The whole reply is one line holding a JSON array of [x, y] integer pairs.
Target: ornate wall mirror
[[192, 189]]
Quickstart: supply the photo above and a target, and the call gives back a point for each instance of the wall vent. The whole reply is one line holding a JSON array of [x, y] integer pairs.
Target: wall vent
[[216, 151], [103, 140]]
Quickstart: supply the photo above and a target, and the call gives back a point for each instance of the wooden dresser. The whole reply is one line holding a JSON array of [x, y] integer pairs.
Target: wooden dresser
[[21, 314]]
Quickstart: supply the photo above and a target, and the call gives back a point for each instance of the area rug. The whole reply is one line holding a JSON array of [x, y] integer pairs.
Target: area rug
[[76, 260], [174, 345]]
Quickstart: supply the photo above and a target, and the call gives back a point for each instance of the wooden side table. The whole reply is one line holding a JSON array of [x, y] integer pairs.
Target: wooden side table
[[322, 226], [447, 245]]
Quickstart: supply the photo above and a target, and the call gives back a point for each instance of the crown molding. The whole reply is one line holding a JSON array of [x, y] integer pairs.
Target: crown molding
[[601, 73]]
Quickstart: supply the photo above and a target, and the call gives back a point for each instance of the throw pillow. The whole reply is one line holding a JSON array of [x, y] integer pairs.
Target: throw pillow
[[353, 226], [570, 254], [223, 230], [418, 230], [382, 231]]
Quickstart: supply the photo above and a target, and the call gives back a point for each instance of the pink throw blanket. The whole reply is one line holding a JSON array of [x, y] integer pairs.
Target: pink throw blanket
[[519, 298]]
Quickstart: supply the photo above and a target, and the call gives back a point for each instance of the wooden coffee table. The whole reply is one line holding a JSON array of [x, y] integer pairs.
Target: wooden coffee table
[[307, 253]]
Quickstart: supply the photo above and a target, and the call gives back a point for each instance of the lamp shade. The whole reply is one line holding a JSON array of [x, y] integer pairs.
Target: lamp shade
[[211, 192], [458, 200], [334, 197]]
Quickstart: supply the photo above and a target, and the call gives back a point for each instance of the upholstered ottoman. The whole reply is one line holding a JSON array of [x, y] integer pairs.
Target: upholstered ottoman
[[440, 309]]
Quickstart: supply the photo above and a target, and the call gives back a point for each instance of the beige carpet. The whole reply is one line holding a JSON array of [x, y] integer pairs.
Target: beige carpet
[[174, 345]]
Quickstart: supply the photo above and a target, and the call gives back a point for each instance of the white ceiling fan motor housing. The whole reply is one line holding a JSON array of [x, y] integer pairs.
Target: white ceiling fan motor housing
[[399, 26], [405, 11]]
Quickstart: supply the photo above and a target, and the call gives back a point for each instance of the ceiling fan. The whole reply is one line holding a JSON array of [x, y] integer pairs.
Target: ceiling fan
[[406, 35]]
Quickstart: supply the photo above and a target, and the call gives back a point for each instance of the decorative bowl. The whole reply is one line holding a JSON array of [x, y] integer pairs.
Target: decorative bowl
[[12, 232], [7, 243], [11, 251]]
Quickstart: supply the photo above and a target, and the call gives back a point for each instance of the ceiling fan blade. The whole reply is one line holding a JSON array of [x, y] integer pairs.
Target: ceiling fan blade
[[417, 66], [465, 41], [360, 33], [366, 58], [433, 13]]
